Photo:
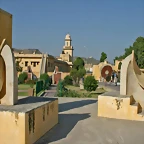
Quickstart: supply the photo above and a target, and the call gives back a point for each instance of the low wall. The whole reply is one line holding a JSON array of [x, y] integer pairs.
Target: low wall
[[27, 121], [113, 105]]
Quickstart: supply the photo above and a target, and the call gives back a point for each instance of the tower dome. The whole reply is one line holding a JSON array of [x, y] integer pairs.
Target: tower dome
[[68, 37]]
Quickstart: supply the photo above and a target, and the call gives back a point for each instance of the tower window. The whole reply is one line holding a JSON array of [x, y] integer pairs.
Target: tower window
[[67, 43]]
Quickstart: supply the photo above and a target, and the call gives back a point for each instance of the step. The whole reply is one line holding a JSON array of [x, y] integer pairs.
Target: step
[[134, 104], [141, 113], [134, 108]]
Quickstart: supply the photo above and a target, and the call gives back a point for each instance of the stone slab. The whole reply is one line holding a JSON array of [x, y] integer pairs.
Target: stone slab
[[114, 94], [27, 104]]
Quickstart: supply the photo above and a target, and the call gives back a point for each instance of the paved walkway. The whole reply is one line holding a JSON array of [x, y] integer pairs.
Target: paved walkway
[[110, 86], [79, 124], [51, 92]]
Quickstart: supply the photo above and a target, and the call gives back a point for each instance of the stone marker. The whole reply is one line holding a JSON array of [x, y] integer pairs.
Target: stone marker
[[81, 84], [8, 76]]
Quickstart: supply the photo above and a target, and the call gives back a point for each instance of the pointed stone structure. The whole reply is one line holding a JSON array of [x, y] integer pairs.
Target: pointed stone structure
[[129, 102], [8, 76]]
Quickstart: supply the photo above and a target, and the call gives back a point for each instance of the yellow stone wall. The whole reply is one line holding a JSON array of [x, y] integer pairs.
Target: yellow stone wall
[[97, 68], [15, 127], [6, 27], [63, 75], [119, 108], [96, 72], [30, 59]]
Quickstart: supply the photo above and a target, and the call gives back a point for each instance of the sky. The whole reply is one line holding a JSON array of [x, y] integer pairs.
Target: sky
[[95, 26]]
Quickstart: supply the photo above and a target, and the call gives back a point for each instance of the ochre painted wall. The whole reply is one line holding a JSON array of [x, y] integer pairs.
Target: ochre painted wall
[[63, 75], [118, 107], [37, 58], [16, 128], [6, 27]]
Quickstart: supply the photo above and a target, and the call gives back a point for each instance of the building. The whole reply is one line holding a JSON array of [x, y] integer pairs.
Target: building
[[36, 62], [103, 69], [67, 52]]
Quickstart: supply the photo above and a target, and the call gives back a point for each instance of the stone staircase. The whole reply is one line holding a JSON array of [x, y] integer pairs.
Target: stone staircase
[[114, 105], [136, 108]]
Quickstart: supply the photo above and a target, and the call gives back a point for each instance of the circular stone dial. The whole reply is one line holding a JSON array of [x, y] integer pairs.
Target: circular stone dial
[[106, 70]]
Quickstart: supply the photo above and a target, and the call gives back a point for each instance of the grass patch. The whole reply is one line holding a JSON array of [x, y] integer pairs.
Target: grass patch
[[74, 91], [22, 93], [26, 93], [25, 86]]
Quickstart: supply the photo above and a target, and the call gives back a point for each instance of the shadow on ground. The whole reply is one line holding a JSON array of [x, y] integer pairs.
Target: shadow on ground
[[66, 123], [32, 99], [75, 104]]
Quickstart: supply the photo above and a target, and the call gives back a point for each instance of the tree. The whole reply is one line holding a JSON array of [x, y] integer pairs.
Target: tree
[[18, 67], [103, 57], [22, 77], [119, 66], [138, 47], [68, 80], [90, 84], [78, 63], [78, 70]]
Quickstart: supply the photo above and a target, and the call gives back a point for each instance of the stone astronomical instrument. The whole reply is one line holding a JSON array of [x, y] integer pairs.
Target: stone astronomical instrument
[[106, 71]]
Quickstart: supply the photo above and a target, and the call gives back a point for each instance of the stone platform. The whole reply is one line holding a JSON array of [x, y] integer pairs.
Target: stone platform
[[114, 105], [27, 121]]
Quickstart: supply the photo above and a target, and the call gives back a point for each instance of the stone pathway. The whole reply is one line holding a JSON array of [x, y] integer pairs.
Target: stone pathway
[[51, 92], [79, 124], [110, 86]]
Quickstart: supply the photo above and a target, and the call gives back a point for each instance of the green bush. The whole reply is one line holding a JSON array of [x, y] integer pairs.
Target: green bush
[[67, 93], [46, 80], [22, 77], [60, 85], [68, 80], [44, 76], [90, 84]]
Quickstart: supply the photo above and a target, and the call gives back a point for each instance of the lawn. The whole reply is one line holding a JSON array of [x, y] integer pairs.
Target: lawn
[[22, 93], [84, 93], [24, 88]]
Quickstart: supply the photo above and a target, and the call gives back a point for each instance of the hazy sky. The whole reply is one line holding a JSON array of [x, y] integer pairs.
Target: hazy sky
[[94, 25]]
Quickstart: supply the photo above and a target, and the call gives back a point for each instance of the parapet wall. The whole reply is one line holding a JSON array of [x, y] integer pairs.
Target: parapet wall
[[27, 121]]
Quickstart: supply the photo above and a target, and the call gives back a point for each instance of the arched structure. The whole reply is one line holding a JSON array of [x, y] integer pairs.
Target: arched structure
[[8, 76], [132, 80]]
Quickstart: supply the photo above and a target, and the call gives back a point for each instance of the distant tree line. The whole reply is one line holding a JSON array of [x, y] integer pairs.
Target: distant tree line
[[138, 47]]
